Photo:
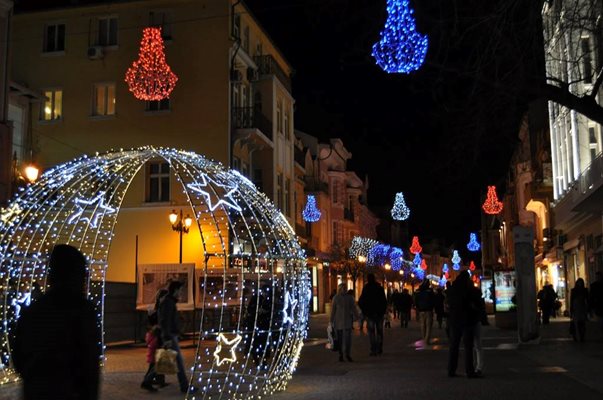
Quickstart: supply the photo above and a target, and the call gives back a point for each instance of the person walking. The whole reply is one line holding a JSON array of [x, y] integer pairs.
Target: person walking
[[169, 323], [373, 304], [596, 298], [404, 306], [152, 338], [424, 303], [438, 306], [343, 315], [546, 300], [479, 318], [460, 303], [395, 299], [579, 310], [57, 345]]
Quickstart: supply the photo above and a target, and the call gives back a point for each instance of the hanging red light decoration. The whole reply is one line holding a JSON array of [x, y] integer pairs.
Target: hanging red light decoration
[[492, 205], [415, 248], [446, 275], [423, 265], [150, 78], [472, 266]]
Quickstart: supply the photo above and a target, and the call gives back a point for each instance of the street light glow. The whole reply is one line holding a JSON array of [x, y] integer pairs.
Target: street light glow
[[173, 217]]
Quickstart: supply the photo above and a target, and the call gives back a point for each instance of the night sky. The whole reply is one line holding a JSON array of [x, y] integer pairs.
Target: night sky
[[441, 134]]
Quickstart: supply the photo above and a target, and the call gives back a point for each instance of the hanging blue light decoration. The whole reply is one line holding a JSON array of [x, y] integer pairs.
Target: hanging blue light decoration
[[400, 211], [310, 212], [417, 260], [395, 258], [473, 244], [456, 260], [400, 47], [419, 273], [445, 268]]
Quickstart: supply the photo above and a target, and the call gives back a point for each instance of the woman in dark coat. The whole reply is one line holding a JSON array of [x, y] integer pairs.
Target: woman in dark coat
[[579, 309]]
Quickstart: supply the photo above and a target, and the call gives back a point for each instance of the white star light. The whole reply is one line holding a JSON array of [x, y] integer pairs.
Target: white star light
[[230, 343], [9, 213], [95, 215], [230, 188], [291, 303]]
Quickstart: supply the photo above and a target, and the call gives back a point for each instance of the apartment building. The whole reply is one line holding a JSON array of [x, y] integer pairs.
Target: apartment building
[[572, 50], [5, 129], [232, 103]]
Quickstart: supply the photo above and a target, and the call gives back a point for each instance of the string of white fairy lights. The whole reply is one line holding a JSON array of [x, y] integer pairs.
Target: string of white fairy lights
[[246, 242]]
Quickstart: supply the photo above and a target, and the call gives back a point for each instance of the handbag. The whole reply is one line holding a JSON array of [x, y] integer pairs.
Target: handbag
[[165, 361], [332, 343]]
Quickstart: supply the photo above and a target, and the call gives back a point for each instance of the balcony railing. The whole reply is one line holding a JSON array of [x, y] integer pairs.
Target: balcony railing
[[267, 65], [250, 118], [592, 176]]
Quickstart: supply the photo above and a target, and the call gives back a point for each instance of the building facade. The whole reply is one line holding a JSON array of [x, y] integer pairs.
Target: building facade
[[573, 40]]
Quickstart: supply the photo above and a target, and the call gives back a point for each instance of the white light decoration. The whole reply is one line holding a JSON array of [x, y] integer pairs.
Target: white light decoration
[[247, 246], [400, 210], [231, 344], [361, 246]]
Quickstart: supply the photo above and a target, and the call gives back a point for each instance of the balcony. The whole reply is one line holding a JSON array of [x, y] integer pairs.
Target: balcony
[[267, 65], [247, 118], [315, 185]]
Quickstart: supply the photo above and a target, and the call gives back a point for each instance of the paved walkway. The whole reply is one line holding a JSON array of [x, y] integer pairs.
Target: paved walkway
[[557, 368]]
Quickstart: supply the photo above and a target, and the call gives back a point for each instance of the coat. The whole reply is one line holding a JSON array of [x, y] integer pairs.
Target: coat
[[169, 322], [57, 347], [343, 311], [372, 301], [152, 344]]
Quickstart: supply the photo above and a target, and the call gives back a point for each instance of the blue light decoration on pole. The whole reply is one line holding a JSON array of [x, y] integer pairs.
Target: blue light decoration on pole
[[417, 260], [400, 211], [473, 244], [456, 260], [400, 49], [310, 212]]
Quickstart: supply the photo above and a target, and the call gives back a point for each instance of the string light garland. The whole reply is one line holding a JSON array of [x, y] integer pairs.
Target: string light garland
[[400, 49], [310, 212], [254, 288], [415, 247], [456, 260], [473, 244], [400, 211], [491, 205], [150, 78], [361, 247]]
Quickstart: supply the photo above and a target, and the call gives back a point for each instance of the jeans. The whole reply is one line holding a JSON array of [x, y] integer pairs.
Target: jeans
[[375, 331], [344, 337], [149, 377], [426, 318], [182, 379], [456, 333], [478, 352]]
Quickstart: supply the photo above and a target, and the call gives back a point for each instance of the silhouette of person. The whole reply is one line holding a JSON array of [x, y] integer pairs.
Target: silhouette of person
[[57, 345]]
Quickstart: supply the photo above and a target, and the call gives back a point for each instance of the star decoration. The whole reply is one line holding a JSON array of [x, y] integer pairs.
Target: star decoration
[[232, 344], [288, 309], [7, 214], [230, 190], [93, 218]]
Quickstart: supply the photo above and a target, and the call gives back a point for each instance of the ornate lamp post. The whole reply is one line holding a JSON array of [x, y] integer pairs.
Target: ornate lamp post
[[181, 226]]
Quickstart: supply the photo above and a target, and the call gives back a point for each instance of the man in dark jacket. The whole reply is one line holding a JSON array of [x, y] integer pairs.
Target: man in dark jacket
[[424, 302], [169, 322], [57, 344], [373, 304], [404, 306]]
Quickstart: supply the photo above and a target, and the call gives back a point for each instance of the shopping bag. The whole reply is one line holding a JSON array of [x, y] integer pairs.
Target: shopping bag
[[165, 362], [332, 339]]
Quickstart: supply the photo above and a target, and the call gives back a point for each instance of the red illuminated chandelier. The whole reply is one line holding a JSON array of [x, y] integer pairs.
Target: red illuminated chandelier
[[415, 248], [150, 78], [492, 205]]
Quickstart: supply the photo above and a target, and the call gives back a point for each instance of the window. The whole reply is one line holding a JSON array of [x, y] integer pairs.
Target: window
[[107, 31], [104, 99], [257, 179], [54, 38], [587, 67], [236, 26], [158, 105], [158, 187], [160, 19], [53, 106], [259, 49], [279, 191], [279, 114], [244, 168], [295, 213], [245, 43], [335, 191], [286, 123], [287, 207], [593, 142], [236, 163], [244, 96]]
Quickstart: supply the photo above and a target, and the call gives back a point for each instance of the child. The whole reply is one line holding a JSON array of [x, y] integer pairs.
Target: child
[[152, 338]]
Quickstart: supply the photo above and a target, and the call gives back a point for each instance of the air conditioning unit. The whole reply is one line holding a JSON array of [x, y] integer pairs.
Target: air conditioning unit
[[95, 52], [252, 74], [236, 75]]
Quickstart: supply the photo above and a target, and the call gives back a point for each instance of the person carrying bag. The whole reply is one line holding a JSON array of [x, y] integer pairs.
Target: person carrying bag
[[165, 361]]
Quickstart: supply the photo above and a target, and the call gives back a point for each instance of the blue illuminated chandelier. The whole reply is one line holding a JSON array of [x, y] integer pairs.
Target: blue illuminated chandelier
[[473, 244], [311, 213], [400, 49]]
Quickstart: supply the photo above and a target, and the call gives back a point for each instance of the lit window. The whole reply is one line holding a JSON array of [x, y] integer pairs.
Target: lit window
[[107, 31], [54, 38], [53, 106], [158, 182], [104, 99], [158, 105]]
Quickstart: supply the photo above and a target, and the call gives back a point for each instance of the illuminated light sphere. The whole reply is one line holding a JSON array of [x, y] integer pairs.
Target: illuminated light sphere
[[400, 211], [473, 244], [423, 265], [150, 78], [415, 248], [472, 266], [418, 260], [491, 204], [400, 49], [245, 244], [310, 212]]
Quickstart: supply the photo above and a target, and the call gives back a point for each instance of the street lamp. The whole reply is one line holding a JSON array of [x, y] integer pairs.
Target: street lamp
[[180, 225], [31, 173]]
